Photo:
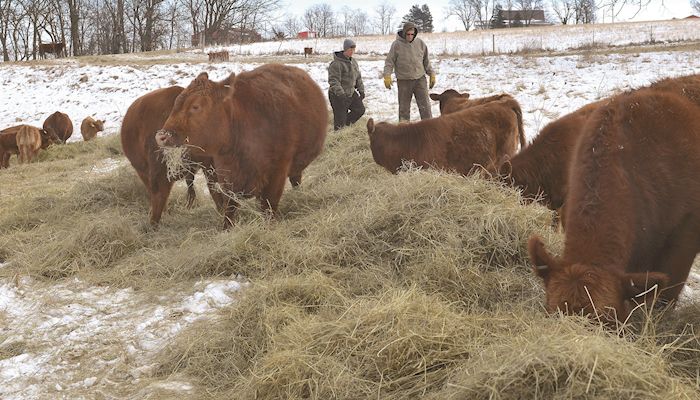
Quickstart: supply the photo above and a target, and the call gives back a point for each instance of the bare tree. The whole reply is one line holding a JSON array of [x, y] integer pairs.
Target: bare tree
[[695, 4], [464, 11], [564, 10], [527, 8], [319, 18], [5, 12], [359, 22], [345, 20], [292, 26], [385, 13], [584, 11]]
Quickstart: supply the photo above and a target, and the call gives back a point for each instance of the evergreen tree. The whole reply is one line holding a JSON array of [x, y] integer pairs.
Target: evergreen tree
[[421, 17]]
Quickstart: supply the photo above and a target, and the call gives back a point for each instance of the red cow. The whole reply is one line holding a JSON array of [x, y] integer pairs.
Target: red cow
[[28, 142], [480, 135], [632, 208], [267, 125], [8, 143], [145, 116], [451, 100], [60, 125]]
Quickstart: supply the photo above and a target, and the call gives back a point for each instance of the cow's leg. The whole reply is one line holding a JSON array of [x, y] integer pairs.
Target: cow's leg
[[4, 158], [272, 192], [295, 179], [191, 194], [681, 248], [159, 190], [210, 174]]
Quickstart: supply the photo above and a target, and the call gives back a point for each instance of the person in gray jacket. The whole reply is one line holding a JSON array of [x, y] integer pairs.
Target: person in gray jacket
[[408, 59], [345, 87]]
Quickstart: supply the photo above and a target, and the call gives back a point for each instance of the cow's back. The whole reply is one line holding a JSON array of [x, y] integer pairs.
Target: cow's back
[[280, 112], [29, 137], [143, 118], [59, 124]]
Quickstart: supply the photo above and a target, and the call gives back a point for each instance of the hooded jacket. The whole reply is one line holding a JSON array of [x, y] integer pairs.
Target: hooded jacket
[[344, 76], [408, 60]]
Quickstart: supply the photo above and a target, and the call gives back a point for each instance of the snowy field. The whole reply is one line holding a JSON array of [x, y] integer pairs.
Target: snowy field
[[65, 325]]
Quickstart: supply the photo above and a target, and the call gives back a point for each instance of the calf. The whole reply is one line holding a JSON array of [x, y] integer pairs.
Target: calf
[[28, 143], [89, 128], [451, 100], [478, 136], [632, 207], [8, 143], [58, 124]]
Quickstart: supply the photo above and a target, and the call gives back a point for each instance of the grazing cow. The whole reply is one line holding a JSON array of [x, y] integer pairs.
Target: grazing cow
[[51, 48], [541, 170], [143, 118], [218, 56], [480, 135], [266, 125], [451, 100], [8, 143], [632, 208], [60, 125], [89, 128], [308, 51], [28, 143]]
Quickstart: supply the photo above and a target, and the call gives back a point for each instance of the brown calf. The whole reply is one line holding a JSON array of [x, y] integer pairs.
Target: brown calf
[[632, 208], [8, 143], [89, 128], [28, 143], [477, 136]]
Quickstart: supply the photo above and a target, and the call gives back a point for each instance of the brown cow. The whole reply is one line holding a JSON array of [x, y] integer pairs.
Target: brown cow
[[89, 128], [60, 125], [632, 208], [267, 125], [541, 169], [145, 116], [480, 135], [8, 143], [28, 143]]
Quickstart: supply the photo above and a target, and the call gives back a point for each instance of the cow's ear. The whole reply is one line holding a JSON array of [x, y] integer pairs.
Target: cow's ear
[[370, 126], [465, 95], [643, 285], [202, 76], [229, 80], [542, 262], [435, 96]]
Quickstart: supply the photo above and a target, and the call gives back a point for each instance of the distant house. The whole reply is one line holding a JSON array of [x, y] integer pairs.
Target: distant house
[[513, 18], [307, 35], [228, 36]]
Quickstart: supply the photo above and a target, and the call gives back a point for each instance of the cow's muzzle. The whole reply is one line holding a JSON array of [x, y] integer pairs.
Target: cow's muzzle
[[165, 138]]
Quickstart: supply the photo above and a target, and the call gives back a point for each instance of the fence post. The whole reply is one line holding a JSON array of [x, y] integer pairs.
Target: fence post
[[493, 43]]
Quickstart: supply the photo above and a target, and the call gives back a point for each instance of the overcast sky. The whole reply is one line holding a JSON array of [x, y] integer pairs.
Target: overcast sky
[[658, 9]]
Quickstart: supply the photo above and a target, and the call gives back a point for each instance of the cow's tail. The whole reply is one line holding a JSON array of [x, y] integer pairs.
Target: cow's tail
[[521, 132]]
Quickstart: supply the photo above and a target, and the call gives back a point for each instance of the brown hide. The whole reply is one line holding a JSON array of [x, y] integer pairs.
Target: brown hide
[[632, 208], [144, 117], [453, 101], [8, 143], [28, 143], [480, 135], [60, 125], [264, 126], [89, 128], [541, 170]]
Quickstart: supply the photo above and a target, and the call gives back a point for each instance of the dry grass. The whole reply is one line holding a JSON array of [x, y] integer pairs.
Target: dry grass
[[368, 285]]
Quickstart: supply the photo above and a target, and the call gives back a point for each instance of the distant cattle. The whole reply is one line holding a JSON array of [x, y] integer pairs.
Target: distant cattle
[[541, 170], [143, 118], [632, 207], [452, 101], [28, 143], [264, 126], [8, 143], [89, 128], [60, 125], [218, 56], [308, 51], [478, 136], [56, 49]]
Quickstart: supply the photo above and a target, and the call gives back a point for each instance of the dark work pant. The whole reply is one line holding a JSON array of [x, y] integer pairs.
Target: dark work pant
[[409, 88], [346, 110]]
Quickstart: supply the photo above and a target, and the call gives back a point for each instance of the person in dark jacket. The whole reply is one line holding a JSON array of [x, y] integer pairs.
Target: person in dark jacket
[[408, 59], [345, 87]]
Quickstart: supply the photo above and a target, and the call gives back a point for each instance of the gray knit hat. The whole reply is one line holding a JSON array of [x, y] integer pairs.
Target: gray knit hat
[[348, 43]]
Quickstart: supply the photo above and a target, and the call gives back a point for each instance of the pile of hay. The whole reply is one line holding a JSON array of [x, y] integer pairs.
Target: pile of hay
[[367, 285]]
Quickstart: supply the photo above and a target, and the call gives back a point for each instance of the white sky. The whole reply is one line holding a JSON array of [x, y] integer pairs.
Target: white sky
[[657, 9]]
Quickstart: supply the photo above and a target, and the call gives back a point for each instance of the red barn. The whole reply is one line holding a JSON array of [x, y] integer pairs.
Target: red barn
[[307, 35]]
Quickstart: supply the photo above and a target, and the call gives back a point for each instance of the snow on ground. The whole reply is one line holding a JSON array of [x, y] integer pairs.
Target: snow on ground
[[56, 328]]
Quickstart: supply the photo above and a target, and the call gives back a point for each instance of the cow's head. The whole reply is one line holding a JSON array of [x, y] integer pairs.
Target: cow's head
[[599, 292], [198, 111], [449, 96], [99, 125], [49, 137]]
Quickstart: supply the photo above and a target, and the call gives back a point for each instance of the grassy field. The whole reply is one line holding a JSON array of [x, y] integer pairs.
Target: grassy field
[[368, 285]]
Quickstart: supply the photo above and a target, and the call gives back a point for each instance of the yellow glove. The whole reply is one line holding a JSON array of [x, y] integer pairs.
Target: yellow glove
[[432, 81], [387, 81]]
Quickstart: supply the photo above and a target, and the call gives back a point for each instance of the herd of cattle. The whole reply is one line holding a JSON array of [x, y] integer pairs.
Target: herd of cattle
[[26, 140], [620, 171]]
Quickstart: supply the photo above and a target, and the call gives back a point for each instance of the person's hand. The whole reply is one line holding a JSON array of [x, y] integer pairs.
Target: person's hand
[[361, 93], [387, 81], [432, 81]]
